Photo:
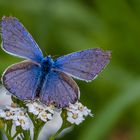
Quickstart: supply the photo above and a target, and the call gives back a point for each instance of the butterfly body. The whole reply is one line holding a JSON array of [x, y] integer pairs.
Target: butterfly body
[[46, 66], [43, 78]]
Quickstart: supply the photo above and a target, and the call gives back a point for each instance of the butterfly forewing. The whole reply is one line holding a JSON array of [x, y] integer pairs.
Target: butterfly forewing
[[84, 65], [59, 89], [17, 41], [21, 79]]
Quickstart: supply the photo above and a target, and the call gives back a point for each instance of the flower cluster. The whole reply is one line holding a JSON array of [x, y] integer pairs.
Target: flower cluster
[[77, 112], [35, 112], [17, 115], [43, 112]]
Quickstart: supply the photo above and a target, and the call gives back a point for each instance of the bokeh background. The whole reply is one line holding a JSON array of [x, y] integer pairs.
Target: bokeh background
[[65, 26]]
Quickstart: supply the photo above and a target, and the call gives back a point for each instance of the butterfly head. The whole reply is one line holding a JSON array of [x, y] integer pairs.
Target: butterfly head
[[47, 63]]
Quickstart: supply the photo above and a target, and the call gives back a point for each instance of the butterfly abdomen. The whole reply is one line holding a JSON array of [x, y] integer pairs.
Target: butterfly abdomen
[[39, 84], [46, 66]]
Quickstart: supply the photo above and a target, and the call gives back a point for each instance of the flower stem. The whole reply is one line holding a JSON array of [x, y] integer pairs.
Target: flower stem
[[36, 134], [37, 130], [7, 135], [56, 134], [27, 135], [16, 134]]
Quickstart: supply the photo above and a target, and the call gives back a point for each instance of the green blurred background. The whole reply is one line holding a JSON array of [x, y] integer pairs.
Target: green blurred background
[[65, 26]]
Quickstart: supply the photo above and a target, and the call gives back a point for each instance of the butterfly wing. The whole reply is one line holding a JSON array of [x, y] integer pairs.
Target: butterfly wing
[[17, 41], [60, 89], [83, 65], [21, 79]]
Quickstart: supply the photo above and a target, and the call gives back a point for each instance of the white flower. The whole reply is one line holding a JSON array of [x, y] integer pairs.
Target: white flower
[[9, 115], [73, 106], [84, 110], [17, 115], [75, 118], [9, 112], [22, 121], [78, 106], [44, 116], [77, 112], [13, 109], [43, 112], [35, 108], [50, 109], [87, 112]]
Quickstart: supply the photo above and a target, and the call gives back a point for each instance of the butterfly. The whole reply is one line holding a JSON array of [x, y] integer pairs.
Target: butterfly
[[43, 78]]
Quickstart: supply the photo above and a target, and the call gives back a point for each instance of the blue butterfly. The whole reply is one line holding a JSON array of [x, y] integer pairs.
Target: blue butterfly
[[41, 77]]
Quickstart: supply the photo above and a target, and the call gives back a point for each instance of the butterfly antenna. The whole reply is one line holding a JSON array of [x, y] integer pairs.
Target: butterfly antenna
[[44, 51], [55, 56]]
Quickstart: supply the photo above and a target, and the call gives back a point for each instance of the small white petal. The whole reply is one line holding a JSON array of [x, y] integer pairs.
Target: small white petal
[[44, 116], [71, 120], [2, 114], [22, 121], [50, 117], [79, 120], [16, 123], [70, 114]]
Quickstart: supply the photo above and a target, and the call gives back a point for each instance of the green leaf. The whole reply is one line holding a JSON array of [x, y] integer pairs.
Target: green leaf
[[111, 113]]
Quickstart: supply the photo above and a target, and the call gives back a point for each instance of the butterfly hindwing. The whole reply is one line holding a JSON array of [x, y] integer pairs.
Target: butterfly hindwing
[[60, 89], [83, 65], [17, 41], [21, 79]]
